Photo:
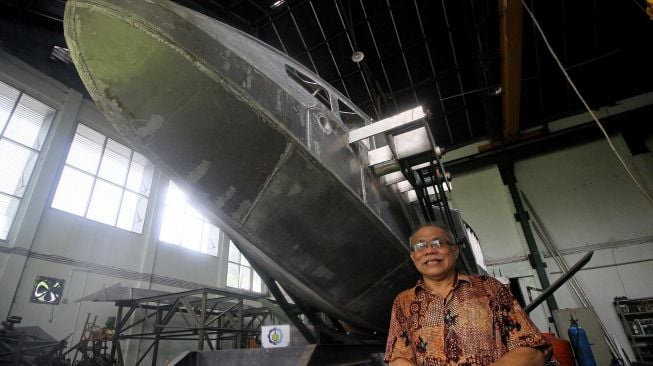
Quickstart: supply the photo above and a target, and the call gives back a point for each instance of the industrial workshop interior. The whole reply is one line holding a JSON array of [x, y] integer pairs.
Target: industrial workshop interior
[[242, 182]]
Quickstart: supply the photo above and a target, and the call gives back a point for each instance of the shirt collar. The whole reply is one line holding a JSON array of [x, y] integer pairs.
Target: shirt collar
[[459, 277]]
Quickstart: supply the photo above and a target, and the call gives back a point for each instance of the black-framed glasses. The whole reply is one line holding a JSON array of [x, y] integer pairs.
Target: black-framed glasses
[[433, 243]]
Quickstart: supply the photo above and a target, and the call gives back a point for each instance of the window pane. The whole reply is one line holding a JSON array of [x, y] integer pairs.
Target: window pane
[[243, 261], [192, 236], [30, 122], [73, 191], [115, 163], [107, 163], [172, 226], [175, 197], [132, 212], [8, 97], [210, 239], [86, 149], [232, 275], [191, 211], [105, 202], [8, 207], [257, 284], [234, 254], [245, 278], [140, 174], [186, 226], [16, 167]]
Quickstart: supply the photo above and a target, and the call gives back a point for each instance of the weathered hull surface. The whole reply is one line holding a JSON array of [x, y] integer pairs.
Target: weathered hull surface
[[217, 109]]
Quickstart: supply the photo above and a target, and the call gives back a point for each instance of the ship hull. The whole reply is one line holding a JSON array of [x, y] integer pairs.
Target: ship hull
[[217, 110]]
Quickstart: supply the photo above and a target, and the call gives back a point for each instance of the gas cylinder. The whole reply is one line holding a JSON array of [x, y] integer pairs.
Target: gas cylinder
[[561, 350], [580, 344]]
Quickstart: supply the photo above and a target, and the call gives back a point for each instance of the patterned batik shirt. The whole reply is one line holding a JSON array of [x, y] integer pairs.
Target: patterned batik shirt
[[477, 323]]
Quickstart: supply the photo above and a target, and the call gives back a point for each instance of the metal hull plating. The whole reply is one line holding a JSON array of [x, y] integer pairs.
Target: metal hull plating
[[259, 153]]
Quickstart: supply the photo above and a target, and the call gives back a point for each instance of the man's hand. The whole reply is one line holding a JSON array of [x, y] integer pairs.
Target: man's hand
[[522, 356]]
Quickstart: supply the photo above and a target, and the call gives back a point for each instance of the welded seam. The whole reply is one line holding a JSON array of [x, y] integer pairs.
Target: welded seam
[[282, 160], [364, 293]]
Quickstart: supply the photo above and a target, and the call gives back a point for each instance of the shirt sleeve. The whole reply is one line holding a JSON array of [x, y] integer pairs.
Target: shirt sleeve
[[517, 329], [398, 343]]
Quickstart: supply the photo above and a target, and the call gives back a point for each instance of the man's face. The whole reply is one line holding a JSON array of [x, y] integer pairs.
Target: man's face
[[432, 262]]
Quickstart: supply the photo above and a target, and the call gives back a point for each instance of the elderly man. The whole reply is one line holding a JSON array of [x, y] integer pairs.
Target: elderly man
[[450, 318]]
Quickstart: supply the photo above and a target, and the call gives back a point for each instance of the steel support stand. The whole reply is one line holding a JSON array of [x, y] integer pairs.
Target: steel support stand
[[239, 334], [202, 331], [283, 303], [507, 170], [116, 335], [157, 337]]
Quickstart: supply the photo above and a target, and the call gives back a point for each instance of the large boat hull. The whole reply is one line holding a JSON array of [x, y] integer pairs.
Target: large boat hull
[[270, 164]]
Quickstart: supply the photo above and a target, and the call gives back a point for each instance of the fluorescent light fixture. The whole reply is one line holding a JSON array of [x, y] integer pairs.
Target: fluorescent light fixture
[[404, 186], [411, 196], [62, 54], [392, 178], [387, 124], [277, 4], [406, 144]]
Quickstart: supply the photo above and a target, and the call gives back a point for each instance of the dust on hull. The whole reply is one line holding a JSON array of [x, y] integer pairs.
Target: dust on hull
[[217, 109]]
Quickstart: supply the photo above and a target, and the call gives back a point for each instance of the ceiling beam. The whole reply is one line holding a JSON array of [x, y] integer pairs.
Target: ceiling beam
[[510, 36]]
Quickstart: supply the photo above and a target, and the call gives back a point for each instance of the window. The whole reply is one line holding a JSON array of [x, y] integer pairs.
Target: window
[[240, 273], [184, 226], [310, 85], [104, 181], [350, 118], [24, 123]]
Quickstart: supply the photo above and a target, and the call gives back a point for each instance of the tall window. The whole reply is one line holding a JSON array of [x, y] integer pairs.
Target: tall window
[[24, 123], [104, 181], [183, 225], [240, 273]]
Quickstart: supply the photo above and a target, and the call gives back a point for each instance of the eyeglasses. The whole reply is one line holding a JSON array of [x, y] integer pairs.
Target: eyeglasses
[[433, 243]]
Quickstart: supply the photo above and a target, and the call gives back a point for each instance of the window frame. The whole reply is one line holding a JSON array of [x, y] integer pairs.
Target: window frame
[[142, 199], [205, 222], [33, 152], [239, 264]]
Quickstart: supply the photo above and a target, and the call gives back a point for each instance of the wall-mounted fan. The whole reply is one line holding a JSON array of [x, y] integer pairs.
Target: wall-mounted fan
[[47, 290]]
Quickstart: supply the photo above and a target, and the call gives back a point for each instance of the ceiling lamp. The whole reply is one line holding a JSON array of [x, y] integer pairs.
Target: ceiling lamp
[[277, 4], [357, 56]]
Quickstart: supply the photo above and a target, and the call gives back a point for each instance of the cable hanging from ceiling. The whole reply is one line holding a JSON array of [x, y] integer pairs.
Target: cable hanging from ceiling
[[573, 86]]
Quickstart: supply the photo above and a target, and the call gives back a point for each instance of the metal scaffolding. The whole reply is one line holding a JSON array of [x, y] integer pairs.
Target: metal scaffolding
[[212, 317]]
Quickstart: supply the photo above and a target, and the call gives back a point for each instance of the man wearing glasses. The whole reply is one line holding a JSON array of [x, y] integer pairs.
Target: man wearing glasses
[[450, 318]]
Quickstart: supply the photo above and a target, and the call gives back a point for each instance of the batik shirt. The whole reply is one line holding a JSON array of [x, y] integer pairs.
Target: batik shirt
[[477, 323]]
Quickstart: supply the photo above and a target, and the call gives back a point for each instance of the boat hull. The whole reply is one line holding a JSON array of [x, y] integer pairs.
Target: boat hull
[[217, 110]]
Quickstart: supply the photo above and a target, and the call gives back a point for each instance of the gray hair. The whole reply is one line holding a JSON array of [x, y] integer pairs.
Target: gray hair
[[452, 239]]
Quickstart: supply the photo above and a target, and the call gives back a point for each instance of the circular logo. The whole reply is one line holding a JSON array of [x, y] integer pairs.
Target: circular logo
[[275, 336]]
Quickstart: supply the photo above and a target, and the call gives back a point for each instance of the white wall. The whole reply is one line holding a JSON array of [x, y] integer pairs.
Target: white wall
[[88, 255], [586, 202]]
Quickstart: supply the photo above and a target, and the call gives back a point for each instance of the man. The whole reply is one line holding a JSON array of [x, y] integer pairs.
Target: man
[[450, 318]]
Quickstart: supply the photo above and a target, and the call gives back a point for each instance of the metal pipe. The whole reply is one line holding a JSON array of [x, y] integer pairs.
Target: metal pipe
[[562, 267], [455, 61], [333, 59], [559, 282], [358, 65], [403, 54], [378, 54], [301, 38]]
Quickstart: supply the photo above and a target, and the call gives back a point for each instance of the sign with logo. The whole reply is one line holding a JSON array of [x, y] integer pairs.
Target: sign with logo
[[273, 336]]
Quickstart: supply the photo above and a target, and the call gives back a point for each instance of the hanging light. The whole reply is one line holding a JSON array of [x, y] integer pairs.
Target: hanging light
[[357, 56]]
